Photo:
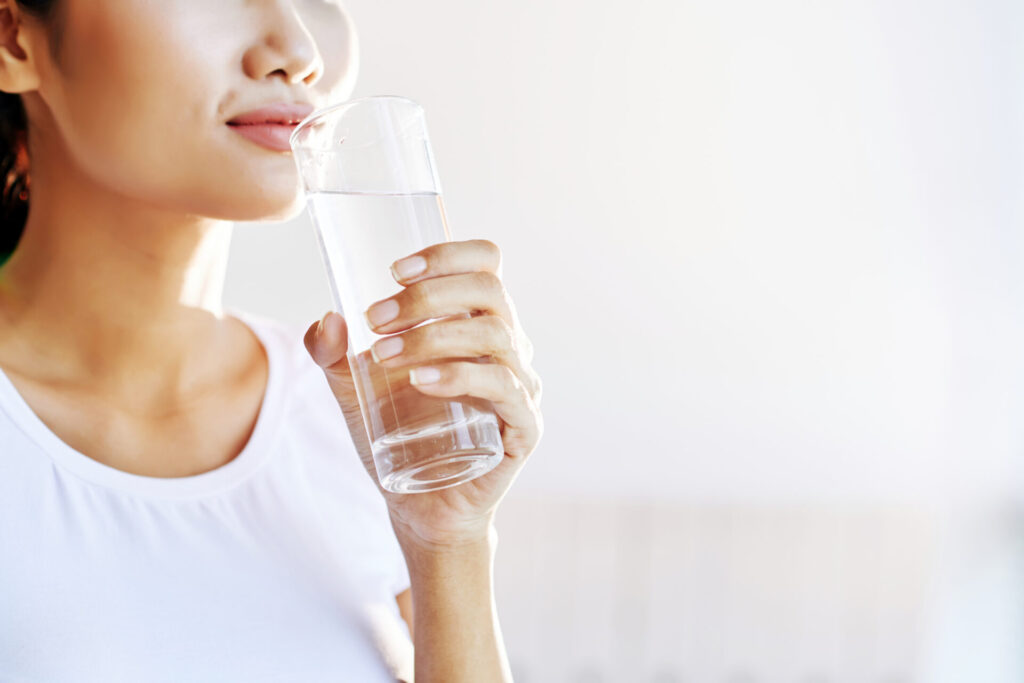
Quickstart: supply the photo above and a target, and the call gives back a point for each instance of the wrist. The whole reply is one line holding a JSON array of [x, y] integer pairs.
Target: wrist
[[468, 545], [465, 536]]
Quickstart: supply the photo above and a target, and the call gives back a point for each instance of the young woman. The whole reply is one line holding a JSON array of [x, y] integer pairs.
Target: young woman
[[184, 492]]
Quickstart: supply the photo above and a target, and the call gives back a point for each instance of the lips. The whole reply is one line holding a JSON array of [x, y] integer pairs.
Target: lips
[[271, 126]]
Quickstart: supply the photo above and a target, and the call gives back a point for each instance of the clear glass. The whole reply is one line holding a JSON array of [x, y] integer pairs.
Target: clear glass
[[374, 197]]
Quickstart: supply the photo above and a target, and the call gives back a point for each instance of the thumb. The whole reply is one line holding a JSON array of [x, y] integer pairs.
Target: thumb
[[327, 342]]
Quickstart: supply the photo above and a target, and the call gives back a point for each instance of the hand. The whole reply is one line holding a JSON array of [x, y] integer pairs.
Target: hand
[[459, 278]]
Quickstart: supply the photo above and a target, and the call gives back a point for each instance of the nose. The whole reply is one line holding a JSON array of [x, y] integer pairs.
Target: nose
[[286, 46]]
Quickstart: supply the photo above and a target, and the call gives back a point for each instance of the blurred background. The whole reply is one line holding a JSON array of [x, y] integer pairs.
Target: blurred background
[[770, 257]]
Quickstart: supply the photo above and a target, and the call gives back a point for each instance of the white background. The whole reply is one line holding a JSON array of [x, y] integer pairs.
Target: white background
[[764, 250]]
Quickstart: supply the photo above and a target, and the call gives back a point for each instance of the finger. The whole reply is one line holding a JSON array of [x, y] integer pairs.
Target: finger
[[487, 336], [465, 293], [448, 258], [494, 383], [327, 342]]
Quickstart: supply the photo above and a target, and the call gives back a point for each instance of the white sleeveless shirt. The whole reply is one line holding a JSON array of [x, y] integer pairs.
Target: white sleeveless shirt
[[280, 565]]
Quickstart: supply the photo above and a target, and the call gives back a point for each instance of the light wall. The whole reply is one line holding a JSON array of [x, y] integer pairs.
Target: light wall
[[765, 251]]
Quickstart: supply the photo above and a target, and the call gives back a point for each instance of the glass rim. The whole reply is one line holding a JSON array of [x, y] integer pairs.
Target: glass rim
[[321, 113]]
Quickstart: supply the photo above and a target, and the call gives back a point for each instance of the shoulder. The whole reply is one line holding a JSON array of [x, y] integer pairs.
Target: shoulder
[[298, 382], [313, 420], [285, 346]]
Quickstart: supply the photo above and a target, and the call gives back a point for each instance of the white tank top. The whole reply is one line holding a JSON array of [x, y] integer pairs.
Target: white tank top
[[279, 566]]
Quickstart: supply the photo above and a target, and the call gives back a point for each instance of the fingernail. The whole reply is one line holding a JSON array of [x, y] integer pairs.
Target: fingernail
[[386, 348], [424, 375], [408, 267], [382, 312]]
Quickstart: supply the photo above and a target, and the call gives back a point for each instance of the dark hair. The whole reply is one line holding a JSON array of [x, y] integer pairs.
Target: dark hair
[[14, 175]]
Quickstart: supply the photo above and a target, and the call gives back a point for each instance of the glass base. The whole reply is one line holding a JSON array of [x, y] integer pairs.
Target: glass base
[[439, 455], [451, 470]]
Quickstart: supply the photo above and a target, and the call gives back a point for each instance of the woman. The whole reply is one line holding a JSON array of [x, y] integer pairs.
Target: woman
[[182, 498]]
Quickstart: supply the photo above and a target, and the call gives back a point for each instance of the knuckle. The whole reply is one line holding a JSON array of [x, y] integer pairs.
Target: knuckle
[[415, 343], [468, 375], [486, 280], [498, 297], [491, 247], [418, 297], [525, 346], [433, 250], [500, 332], [538, 386], [444, 338], [453, 374], [511, 379], [438, 336]]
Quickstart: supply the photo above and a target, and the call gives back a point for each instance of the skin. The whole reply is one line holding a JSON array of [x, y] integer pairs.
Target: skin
[[111, 325]]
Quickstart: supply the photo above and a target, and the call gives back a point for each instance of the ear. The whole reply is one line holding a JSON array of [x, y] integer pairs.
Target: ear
[[18, 71]]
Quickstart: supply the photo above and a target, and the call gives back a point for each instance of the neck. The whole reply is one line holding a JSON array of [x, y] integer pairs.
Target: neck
[[107, 289]]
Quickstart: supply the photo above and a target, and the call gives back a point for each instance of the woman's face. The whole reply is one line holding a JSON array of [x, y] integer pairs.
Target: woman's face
[[144, 89]]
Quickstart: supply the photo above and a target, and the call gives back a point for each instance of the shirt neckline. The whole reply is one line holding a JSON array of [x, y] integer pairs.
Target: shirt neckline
[[255, 452]]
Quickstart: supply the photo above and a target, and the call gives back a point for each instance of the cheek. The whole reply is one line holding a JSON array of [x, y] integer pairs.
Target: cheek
[[140, 94]]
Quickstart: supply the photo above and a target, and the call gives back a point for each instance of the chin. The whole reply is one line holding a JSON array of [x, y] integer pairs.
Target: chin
[[251, 207], [266, 208], [270, 196], [295, 208]]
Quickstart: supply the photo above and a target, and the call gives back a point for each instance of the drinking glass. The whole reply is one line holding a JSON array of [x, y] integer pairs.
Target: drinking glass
[[374, 197]]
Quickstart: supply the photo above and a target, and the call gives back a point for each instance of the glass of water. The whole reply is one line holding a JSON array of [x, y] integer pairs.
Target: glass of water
[[374, 197]]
